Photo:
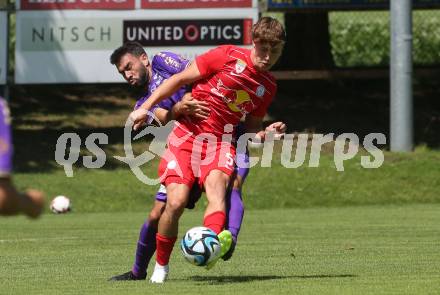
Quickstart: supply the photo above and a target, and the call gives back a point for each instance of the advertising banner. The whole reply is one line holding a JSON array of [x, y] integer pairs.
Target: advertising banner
[[75, 4], [75, 46], [189, 32], [173, 4], [3, 47], [131, 4]]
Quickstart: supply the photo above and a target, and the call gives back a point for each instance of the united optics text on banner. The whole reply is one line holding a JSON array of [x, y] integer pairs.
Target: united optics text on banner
[[188, 32]]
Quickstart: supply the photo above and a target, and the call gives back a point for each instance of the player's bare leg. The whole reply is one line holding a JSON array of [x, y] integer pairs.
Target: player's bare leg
[[12, 202], [216, 184], [177, 197]]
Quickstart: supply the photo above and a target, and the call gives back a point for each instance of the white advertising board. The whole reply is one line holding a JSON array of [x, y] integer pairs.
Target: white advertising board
[[3, 46], [74, 46]]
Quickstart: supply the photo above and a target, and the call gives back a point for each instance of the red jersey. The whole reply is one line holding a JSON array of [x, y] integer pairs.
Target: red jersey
[[232, 87]]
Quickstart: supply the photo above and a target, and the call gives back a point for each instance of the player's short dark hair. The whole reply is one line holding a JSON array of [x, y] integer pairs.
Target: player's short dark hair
[[134, 48], [269, 30]]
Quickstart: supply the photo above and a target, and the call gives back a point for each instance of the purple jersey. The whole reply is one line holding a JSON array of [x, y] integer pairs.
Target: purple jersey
[[163, 66], [5, 140]]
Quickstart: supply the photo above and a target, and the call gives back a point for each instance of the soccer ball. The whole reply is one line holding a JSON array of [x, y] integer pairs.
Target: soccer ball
[[60, 204], [200, 245]]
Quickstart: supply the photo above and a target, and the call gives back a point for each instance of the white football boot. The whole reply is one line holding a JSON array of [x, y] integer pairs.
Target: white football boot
[[160, 274]]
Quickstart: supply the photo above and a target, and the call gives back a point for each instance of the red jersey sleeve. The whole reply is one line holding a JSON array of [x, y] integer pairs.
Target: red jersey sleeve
[[212, 61], [262, 108]]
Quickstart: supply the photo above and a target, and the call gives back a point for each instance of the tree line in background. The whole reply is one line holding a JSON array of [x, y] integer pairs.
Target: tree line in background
[[321, 40]]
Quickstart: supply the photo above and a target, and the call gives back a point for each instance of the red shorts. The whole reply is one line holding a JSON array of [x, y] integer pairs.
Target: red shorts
[[188, 157]]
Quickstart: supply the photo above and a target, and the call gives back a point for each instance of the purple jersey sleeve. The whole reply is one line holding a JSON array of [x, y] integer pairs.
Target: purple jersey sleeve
[[164, 65], [168, 63], [5, 140]]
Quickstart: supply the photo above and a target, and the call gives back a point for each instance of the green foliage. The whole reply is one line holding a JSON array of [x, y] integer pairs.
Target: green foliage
[[359, 38], [426, 44], [363, 38], [364, 250]]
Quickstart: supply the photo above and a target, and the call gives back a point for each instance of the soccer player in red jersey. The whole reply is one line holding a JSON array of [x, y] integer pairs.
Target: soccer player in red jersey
[[133, 64], [235, 83]]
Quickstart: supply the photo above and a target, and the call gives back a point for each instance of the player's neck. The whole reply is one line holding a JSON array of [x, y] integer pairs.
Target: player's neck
[[149, 72], [149, 76]]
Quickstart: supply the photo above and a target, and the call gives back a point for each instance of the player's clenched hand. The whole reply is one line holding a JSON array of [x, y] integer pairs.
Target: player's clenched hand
[[138, 117], [279, 129], [191, 107], [34, 204]]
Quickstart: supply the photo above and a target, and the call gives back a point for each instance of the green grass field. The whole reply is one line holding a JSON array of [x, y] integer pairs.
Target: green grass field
[[352, 250], [402, 179]]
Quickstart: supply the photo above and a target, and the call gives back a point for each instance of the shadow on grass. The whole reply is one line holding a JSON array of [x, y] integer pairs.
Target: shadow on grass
[[70, 99], [38, 154], [217, 280], [42, 113], [360, 107]]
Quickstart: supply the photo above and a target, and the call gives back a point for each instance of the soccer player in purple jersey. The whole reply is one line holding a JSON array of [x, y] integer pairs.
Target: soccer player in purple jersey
[[133, 64], [12, 202]]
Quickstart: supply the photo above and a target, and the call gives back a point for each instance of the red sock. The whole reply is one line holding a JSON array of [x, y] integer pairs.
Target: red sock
[[215, 221], [164, 246]]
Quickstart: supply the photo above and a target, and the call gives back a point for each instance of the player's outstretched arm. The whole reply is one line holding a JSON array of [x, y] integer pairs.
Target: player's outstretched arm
[[190, 107], [186, 107], [166, 89], [254, 124]]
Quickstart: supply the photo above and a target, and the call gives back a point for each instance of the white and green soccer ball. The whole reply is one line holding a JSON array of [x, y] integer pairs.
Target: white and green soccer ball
[[60, 204], [200, 246]]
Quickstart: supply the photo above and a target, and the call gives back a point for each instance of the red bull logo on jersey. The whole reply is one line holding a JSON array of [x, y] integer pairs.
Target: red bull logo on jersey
[[242, 102], [237, 100]]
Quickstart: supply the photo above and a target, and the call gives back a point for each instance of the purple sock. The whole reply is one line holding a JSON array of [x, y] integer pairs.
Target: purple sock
[[146, 247], [235, 213]]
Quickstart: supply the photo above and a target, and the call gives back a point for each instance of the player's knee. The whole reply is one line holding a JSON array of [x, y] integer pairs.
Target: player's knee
[[175, 206], [217, 179], [154, 216], [237, 183]]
